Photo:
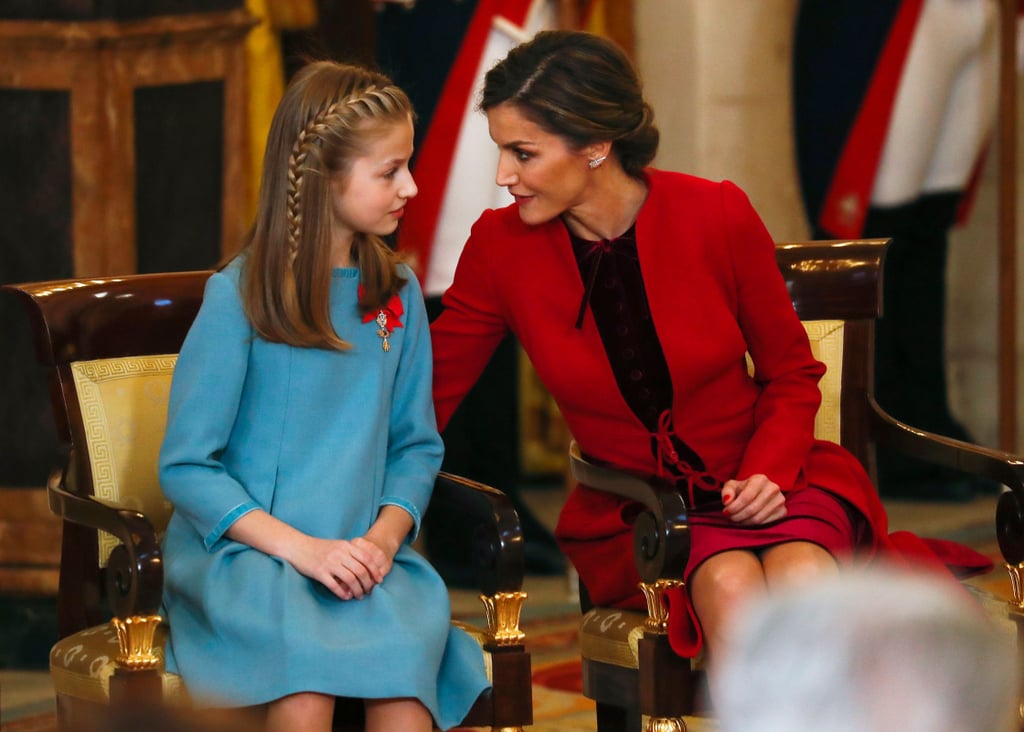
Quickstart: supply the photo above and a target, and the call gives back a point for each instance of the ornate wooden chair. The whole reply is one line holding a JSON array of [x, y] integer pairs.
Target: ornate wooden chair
[[835, 286], [109, 347]]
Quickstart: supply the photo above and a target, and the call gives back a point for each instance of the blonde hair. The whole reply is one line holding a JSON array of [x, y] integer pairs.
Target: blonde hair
[[325, 120]]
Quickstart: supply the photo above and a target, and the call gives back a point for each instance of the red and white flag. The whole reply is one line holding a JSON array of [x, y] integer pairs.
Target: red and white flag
[[457, 161]]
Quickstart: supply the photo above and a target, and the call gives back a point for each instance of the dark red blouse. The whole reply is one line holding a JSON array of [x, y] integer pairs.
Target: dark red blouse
[[614, 293]]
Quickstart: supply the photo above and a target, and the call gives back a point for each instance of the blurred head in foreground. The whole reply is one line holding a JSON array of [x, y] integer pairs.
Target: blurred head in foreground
[[884, 651]]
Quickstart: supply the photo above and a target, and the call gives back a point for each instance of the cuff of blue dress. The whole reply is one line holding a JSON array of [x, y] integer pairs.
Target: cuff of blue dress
[[211, 539], [409, 508]]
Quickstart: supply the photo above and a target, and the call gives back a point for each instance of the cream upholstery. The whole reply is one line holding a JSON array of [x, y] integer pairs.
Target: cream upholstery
[[123, 402], [826, 337], [124, 408]]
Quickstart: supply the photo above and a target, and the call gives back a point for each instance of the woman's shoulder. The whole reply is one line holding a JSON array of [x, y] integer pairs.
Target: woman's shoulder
[[500, 234], [670, 181], [500, 221], [670, 189]]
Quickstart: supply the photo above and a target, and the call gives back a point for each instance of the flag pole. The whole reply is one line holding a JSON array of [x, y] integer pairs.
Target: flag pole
[[1007, 226]]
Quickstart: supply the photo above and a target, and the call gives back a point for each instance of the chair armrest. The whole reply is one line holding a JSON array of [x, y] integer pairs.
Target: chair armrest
[[497, 535], [1002, 467], [135, 574], [661, 534]]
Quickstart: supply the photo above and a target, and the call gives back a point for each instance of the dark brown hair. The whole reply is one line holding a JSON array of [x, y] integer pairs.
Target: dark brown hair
[[328, 114], [581, 87]]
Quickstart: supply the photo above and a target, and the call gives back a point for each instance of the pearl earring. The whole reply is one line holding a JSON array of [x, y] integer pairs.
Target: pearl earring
[[596, 162]]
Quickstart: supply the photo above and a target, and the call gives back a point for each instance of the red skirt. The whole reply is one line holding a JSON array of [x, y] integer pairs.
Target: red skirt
[[812, 514], [595, 532]]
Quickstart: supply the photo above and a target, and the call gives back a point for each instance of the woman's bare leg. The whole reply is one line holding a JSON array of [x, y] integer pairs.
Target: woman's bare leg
[[387, 715], [720, 586], [304, 711], [795, 562]]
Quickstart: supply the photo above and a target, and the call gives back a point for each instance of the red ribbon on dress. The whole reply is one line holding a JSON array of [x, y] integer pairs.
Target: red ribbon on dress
[[667, 453], [393, 310]]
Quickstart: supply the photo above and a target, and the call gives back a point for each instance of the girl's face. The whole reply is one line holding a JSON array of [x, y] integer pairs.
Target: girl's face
[[371, 197], [544, 175]]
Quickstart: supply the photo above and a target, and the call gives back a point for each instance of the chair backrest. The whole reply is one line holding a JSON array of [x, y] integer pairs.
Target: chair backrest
[[109, 346], [836, 289]]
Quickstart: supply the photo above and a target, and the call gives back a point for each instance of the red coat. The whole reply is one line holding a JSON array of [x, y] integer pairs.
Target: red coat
[[715, 293]]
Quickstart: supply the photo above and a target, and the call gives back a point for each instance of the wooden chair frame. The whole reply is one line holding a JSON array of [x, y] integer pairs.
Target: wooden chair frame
[[86, 319], [827, 280]]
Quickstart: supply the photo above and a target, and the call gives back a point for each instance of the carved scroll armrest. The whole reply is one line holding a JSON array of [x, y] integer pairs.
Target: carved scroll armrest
[[497, 533], [497, 553], [661, 534], [135, 574]]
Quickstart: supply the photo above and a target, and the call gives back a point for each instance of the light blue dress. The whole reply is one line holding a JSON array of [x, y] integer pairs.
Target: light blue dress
[[320, 439]]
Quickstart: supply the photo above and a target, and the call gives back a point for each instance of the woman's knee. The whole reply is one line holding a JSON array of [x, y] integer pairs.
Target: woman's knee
[[797, 562], [728, 578]]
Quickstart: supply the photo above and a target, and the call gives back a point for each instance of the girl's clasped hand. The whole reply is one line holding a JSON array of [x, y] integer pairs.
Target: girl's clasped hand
[[349, 569]]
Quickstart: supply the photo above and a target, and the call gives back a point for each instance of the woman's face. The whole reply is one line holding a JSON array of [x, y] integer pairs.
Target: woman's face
[[544, 175], [371, 197]]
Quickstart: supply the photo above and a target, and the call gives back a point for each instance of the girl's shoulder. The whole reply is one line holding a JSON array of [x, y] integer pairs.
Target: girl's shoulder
[[233, 269], [224, 288], [403, 270], [406, 272]]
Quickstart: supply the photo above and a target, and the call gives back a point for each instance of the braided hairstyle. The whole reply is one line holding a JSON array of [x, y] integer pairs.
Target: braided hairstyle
[[581, 87], [328, 115]]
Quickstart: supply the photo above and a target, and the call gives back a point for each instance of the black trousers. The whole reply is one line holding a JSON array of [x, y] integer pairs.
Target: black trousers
[[910, 344]]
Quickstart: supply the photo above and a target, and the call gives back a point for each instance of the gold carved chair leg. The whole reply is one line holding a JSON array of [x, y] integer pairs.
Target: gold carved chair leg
[[665, 678], [505, 644], [136, 678], [1015, 611]]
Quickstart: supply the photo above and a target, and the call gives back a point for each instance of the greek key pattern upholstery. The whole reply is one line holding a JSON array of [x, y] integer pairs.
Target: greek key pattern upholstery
[[123, 402], [826, 338]]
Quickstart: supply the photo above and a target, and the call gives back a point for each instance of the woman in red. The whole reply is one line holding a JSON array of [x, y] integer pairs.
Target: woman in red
[[636, 293]]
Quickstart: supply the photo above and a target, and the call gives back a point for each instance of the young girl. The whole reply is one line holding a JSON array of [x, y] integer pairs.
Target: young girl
[[301, 445]]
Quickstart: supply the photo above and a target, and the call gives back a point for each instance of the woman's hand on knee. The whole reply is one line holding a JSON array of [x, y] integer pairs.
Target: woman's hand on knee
[[753, 501]]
